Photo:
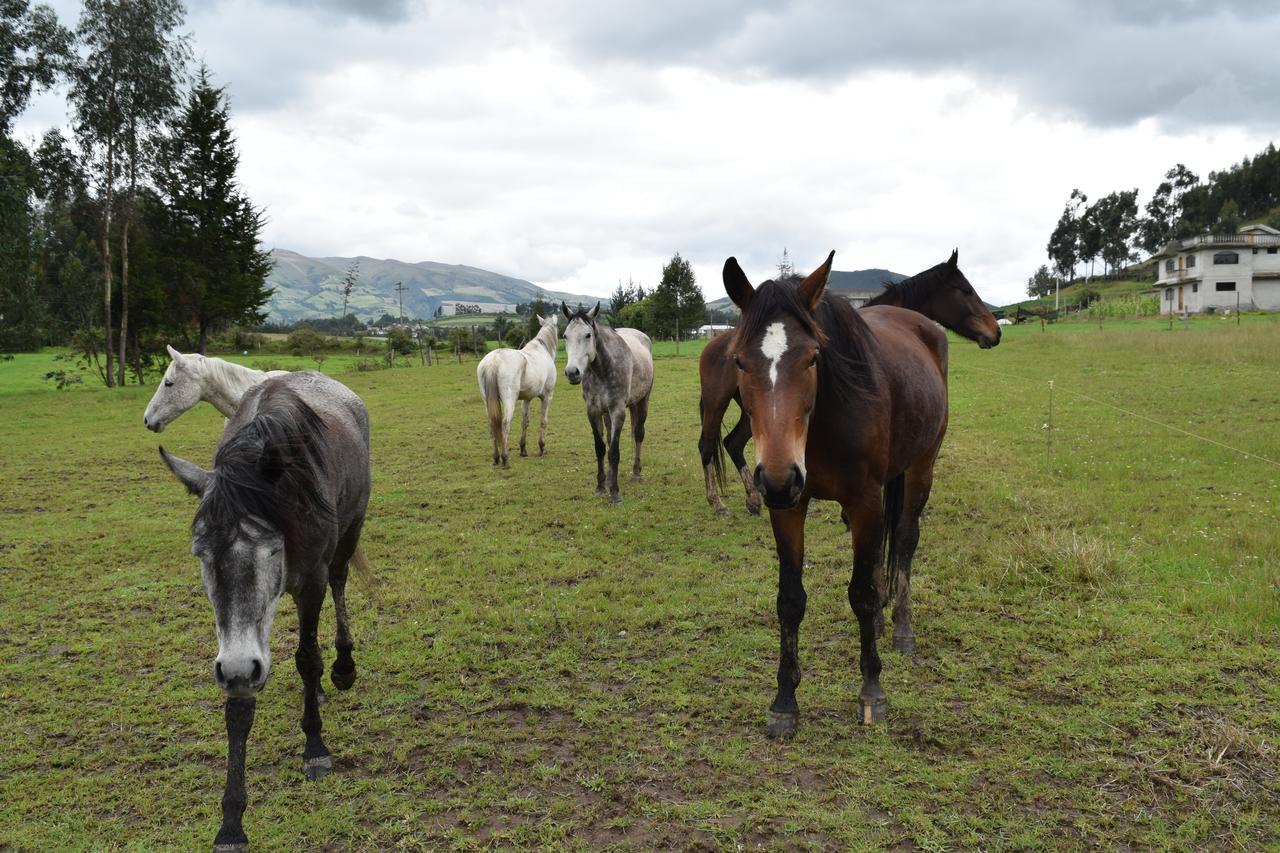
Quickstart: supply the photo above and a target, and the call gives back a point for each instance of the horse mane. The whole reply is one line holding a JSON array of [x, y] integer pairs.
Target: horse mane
[[271, 467], [847, 345], [912, 292]]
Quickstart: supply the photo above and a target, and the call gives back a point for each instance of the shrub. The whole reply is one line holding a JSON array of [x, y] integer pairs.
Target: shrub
[[304, 341], [516, 337]]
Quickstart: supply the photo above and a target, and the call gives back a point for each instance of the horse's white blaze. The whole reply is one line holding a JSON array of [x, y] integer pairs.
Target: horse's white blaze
[[774, 345]]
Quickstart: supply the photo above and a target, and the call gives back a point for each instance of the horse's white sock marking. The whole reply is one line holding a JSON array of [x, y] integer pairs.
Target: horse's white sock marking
[[773, 346]]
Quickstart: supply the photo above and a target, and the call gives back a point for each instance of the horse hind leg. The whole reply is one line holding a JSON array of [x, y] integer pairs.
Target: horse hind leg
[[343, 674], [542, 425], [736, 443], [508, 412], [639, 414], [710, 453], [905, 538], [524, 426]]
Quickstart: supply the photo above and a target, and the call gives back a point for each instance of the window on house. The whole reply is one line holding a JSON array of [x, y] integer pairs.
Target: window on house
[[1271, 251], [1168, 293], [1168, 265], [1226, 286], [1226, 258], [1191, 262], [1195, 287]]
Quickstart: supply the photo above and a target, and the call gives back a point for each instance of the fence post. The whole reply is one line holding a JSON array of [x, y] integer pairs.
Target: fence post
[[1048, 430]]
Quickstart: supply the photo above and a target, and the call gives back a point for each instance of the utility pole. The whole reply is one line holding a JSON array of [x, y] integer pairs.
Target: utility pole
[[400, 289]]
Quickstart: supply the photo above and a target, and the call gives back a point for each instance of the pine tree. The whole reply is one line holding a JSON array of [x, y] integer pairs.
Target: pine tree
[[212, 227], [677, 302]]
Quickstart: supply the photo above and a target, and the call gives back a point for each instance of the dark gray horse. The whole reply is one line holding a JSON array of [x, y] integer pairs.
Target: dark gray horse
[[615, 368], [281, 511]]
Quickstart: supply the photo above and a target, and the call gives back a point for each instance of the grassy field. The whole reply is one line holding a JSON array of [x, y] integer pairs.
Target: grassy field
[[1097, 622]]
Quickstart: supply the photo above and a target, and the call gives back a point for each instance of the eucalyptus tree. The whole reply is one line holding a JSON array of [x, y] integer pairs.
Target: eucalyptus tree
[[125, 86]]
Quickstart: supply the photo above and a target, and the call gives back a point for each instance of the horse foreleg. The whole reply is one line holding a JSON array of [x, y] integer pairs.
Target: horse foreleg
[[639, 414], [868, 547], [616, 420], [598, 432], [239, 719], [524, 426], [316, 762], [788, 535]]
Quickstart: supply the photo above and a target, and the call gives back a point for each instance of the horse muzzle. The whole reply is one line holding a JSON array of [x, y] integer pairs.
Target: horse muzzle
[[240, 678], [154, 426], [782, 495], [573, 374]]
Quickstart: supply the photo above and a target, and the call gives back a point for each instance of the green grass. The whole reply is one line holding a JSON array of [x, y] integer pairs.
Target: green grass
[[1097, 626]]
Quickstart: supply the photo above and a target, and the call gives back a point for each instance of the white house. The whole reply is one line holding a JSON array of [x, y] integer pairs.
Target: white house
[[710, 330], [1213, 272], [451, 308]]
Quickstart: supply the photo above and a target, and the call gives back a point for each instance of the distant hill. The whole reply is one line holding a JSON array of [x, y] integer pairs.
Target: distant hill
[[311, 287], [841, 280]]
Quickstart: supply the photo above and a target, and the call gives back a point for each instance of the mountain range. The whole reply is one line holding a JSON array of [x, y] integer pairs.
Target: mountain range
[[308, 287], [312, 287]]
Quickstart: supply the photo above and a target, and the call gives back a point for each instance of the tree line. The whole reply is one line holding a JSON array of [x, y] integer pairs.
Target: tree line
[[1113, 230], [132, 229]]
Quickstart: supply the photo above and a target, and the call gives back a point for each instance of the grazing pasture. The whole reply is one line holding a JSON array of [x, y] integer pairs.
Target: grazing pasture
[[1096, 626]]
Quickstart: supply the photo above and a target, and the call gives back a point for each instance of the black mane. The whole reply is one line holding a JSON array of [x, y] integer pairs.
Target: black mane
[[272, 468], [915, 291], [847, 346]]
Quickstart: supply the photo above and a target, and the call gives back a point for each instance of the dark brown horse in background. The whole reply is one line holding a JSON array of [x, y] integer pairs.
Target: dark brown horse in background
[[941, 293], [845, 406]]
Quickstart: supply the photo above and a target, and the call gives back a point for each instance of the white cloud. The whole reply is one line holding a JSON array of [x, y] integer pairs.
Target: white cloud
[[576, 148]]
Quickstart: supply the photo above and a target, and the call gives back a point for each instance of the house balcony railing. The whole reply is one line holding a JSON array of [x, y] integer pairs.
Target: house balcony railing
[[1229, 240], [1178, 276]]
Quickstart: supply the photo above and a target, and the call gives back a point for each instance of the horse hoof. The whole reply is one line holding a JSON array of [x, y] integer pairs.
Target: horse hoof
[[523, 453], [753, 507], [343, 680], [615, 500], [231, 842], [601, 493], [906, 644], [636, 478], [872, 710], [723, 512], [782, 726], [318, 767]]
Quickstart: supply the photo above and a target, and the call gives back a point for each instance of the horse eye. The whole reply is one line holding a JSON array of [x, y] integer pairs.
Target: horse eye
[[168, 383], [737, 362]]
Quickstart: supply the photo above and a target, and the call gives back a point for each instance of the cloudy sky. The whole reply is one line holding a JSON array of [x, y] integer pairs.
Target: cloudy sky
[[578, 143]]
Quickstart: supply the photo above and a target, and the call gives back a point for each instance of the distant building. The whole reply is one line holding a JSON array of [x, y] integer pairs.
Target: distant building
[[710, 330], [455, 307], [1214, 272]]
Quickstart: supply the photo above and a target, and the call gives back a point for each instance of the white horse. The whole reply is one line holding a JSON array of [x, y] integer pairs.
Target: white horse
[[193, 377], [507, 375]]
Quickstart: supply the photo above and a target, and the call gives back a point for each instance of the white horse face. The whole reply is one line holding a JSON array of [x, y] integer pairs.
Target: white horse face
[[179, 391], [243, 580]]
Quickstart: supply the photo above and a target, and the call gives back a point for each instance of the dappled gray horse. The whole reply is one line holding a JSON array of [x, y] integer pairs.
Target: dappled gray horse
[[615, 369], [281, 511]]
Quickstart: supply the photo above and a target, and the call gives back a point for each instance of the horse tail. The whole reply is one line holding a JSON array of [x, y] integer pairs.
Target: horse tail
[[492, 398], [717, 455], [894, 492], [361, 565]]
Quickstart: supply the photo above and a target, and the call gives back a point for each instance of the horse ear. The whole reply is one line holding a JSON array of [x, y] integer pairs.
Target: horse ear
[[594, 311], [816, 282], [189, 474], [955, 255], [541, 319], [565, 309], [736, 284], [173, 353]]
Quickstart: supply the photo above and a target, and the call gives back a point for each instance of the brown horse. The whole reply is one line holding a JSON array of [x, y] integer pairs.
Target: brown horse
[[941, 293], [845, 406]]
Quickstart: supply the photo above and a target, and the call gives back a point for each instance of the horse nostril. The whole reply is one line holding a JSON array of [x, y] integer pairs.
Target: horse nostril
[[797, 478], [257, 672], [218, 677]]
